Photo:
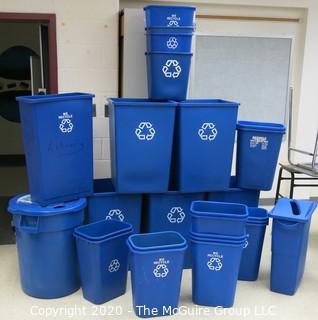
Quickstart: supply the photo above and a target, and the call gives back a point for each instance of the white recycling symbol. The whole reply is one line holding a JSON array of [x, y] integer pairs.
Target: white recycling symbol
[[172, 43], [161, 271], [66, 125], [176, 215], [115, 213], [171, 69], [215, 264], [245, 245], [145, 131], [114, 265], [208, 131]]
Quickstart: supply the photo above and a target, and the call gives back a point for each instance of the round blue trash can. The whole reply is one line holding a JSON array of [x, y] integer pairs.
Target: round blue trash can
[[46, 246]]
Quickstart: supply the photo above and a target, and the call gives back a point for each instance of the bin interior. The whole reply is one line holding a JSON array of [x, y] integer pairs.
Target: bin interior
[[103, 185]]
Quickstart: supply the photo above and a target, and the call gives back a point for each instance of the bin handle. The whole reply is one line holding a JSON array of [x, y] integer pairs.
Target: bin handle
[[29, 229], [287, 226]]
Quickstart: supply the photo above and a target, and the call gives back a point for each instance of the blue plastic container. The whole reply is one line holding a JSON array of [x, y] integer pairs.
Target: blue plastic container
[[215, 271], [174, 30], [251, 256], [156, 262], [236, 195], [168, 75], [57, 132], [103, 259], [169, 16], [219, 218], [106, 203], [291, 224], [171, 212], [141, 134], [169, 42], [258, 145], [204, 145], [46, 247]]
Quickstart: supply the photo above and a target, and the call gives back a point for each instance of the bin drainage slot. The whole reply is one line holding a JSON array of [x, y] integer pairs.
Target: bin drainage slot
[[295, 208]]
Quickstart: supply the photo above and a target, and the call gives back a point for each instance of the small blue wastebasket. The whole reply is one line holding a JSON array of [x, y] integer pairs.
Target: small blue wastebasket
[[156, 262], [57, 136], [106, 203], [103, 259], [46, 247], [141, 133], [258, 145], [291, 224]]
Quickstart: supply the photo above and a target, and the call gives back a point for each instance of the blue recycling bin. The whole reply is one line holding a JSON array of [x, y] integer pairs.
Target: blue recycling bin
[[290, 232], [169, 42], [46, 247], [57, 136], [106, 203], [236, 195], [171, 212], [203, 152], [258, 145], [141, 134], [168, 75], [156, 262], [169, 16], [103, 259]]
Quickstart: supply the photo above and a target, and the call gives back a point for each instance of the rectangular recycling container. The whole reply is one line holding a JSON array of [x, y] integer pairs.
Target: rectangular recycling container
[[258, 145], [204, 144], [141, 134], [156, 262], [291, 224], [106, 203], [57, 136]]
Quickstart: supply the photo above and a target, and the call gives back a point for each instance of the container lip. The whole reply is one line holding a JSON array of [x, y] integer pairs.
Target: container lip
[[262, 216], [261, 126], [208, 103], [23, 205], [150, 33], [229, 244], [55, 97], [141, 102], [170, 28], [167, 6], [218, 237], [148, 53]]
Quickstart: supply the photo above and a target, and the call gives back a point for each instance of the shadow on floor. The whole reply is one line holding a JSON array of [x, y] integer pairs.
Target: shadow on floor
[[6, 232]]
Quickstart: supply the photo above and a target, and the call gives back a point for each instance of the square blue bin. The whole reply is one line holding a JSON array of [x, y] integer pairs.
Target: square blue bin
[[204, 145], [141, 133], [57, 136], [106, 203]]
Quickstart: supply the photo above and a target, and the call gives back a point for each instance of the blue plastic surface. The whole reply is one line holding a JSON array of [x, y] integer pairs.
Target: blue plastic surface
[[169, 16], [168, 75], [219, 218], [46, 247], [141, 135], [157, 29], [103, 259], [218, 237], [57, 132], [258, 145], [205, 132], [156, 262], [107, 204], [169, 42], [171, 211]]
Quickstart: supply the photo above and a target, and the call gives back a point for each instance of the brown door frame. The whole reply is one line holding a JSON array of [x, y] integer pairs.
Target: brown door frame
[[50, 20]]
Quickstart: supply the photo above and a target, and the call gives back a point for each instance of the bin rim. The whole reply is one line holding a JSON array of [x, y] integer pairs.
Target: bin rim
[[217, 237], [208, 103], [150, 33], [141, 102], [23, 205], [261, 126], [261, 218], [54, 97], [222, 243], [173, 192], [103, 193], [149, 53], [167, 6], [185, 28]]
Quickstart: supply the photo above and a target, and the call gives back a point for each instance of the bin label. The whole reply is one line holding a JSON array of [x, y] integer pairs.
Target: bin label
[[145, 131], [176, 215], [208, 131], [25, 199], [114, 265], [171, 69], [172, 43], [215, 261], [261, 141], [115, 214], [161, 268], [66, 124], [173, 20]]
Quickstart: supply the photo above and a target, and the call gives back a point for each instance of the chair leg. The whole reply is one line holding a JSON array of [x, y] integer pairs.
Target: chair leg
[[278, 183], [292, 184]]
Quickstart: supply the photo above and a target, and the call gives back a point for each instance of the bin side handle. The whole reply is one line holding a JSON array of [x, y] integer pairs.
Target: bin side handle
[[287, 226], [27, 228]]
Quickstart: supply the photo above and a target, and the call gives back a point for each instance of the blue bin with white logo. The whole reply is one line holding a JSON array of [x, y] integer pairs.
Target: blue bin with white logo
[[141, 134], [106, 203], [171, 212], [57, 136], [103, 259], [290, 232], [204, 145], [169, 42], [156, 262], [258, 145], [168, 75], [46, 247]]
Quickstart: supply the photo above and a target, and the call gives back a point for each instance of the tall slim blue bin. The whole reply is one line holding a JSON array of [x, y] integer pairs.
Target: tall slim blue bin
[[204, 145], [57, 136], [141, 133]]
